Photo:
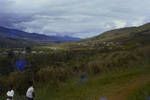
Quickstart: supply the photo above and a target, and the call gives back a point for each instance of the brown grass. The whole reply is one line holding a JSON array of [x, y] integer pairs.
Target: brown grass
[[128, 88]]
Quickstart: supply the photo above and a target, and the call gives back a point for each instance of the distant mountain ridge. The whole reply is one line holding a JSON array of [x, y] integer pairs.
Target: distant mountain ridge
[[127, 34], [12, 36]]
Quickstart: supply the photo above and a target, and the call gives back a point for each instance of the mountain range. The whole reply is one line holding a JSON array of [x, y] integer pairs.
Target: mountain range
[[140, 34], [17, 38]]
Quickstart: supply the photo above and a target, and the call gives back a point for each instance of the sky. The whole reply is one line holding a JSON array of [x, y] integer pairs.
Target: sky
[[77, 18]]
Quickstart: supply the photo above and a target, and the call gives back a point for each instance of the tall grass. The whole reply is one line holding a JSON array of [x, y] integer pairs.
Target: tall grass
[[56, 68], [142, 93]]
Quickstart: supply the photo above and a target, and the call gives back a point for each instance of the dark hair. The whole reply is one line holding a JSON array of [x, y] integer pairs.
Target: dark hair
[[31, 83], [11, 87]]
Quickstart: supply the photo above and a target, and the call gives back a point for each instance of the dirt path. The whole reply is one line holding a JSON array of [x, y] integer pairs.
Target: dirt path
[[128, 88]]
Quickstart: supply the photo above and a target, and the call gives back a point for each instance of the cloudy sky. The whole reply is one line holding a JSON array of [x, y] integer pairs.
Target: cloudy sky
[[78, 18]]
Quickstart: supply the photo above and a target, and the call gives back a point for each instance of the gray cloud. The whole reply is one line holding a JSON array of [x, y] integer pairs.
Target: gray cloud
[[73, 17]]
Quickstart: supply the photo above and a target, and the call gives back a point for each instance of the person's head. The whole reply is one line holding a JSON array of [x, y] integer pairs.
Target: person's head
[[10, 87], [30, 83]]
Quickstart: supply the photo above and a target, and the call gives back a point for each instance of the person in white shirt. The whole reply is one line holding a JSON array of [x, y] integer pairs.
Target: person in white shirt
[[30, 92], [10, 93]]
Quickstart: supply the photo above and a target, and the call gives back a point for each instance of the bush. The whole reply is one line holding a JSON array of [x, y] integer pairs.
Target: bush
[[53, 74]]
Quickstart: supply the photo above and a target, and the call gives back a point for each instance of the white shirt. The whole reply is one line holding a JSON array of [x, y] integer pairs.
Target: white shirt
[[29, 92], [10, 94]]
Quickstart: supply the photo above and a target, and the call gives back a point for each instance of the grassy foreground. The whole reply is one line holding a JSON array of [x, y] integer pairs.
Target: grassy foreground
[[117, 75], [124, 84]]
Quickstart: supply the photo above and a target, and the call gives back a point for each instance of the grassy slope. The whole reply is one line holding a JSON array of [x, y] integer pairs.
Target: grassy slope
[[122, 84], [122, 34], [114, 85]]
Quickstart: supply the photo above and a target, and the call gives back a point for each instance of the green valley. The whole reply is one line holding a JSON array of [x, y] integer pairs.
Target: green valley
[[112, 66]]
